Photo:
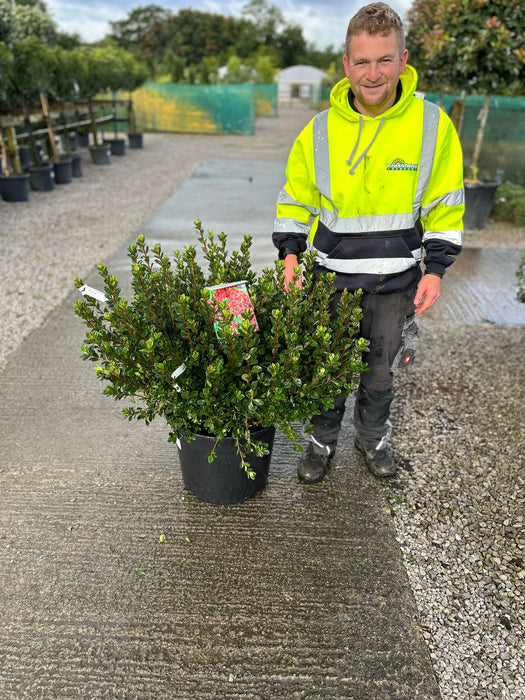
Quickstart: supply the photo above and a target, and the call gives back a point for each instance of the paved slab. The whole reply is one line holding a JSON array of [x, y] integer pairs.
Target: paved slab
[[299, 593]]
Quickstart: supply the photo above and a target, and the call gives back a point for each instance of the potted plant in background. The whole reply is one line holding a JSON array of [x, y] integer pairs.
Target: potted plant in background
[[30, 75], [478, 48], [61, 92], [89, 67], [220, 375], [133, 75], [124, 72], [14, 183]]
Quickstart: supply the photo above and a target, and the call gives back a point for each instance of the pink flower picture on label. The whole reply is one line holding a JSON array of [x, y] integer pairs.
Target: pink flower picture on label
[[238, 301]]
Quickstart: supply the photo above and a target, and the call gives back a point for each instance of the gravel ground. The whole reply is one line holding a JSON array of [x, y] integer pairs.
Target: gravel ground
[[458, 502]]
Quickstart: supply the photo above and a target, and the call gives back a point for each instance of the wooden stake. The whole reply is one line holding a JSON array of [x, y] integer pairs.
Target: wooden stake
[[5, 163], [45, 112]]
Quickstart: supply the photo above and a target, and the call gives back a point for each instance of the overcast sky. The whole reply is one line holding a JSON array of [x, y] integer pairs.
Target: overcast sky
[[323, 22]]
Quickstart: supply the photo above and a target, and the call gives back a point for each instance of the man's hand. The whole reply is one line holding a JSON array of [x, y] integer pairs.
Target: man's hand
[[428, 292], [290, 275]]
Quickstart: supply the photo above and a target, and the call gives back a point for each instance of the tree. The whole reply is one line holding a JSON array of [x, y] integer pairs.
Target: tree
[[431, 47], [22, 20], [475, 45], [140, 22], [267, 20], [6, 72]]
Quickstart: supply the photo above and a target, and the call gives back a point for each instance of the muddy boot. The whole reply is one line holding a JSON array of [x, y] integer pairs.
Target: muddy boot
[[379, 461], [315, 463]]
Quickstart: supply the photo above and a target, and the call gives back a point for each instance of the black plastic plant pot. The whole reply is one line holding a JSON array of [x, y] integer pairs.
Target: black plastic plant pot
[[63, 170], [76, 165], [42, 178], [479, 198], [100, 155], [117, 146], [83, 139], [73, 140], [14, 188], [223, 481], [135, 139], [24, 153]]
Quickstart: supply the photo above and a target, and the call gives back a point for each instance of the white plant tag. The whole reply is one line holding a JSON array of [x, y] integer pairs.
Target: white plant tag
[[91, 292], [176, 373]]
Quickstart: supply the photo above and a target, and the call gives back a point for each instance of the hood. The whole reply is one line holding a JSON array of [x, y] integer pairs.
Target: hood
[[339, 97]]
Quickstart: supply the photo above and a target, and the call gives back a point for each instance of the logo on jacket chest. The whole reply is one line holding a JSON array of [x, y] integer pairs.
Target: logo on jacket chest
[[399, 164]]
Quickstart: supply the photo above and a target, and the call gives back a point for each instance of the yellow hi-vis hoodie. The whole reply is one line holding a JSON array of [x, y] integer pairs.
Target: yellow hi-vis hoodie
[[361, 190]]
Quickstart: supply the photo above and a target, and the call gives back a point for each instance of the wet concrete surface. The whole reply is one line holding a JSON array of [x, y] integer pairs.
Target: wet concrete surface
[[298, 593], [481, 286]]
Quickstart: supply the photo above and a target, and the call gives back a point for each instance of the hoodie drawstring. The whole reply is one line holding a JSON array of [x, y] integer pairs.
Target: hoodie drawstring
[[363, 154]]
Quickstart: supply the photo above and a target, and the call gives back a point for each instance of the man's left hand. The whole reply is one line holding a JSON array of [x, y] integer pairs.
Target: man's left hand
[[428, 292]]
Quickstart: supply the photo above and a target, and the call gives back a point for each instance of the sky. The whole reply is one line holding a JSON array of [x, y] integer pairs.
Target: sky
[[323, 22]]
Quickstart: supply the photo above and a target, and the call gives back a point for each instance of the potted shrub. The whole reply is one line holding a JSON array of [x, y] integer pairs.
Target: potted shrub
[[124, 72], [31, 75], [218, 375], [14, 185], [477, 48], [63, 91], [133, 76], [89, 67]]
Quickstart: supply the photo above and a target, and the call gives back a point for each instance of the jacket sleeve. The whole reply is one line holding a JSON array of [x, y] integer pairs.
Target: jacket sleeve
[[444, 201], [298, 201]]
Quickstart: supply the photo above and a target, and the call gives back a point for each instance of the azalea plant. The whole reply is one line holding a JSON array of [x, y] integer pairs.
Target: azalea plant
[[176, 350]]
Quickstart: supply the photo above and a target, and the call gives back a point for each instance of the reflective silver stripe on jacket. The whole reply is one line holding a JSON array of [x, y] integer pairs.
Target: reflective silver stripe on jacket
[[284, 198], [369, 266], [366, 224], [291, 226], [322, 154], [454, 237], [428, 149]]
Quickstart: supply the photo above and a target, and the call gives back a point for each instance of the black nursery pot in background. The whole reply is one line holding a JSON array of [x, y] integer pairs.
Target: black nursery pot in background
[[135, 139], [117, 146], [76, 165], [42, 178], [479, 198], [100, 155], [15, 187], [63, 170], [83, 139]]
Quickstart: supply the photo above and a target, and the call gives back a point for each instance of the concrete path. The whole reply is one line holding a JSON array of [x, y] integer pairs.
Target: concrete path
[[298, 593]]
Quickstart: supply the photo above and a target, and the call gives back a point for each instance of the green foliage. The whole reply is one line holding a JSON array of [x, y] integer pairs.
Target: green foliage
[[20, 21], [97, 69], [509, 204], [475, 45], [232, 381], [31, 71], [6, 72]]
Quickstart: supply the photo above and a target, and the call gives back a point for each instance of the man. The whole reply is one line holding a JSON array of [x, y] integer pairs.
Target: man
[[371, 182]]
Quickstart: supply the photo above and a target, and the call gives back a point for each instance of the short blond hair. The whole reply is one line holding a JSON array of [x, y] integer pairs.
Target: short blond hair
[[376, 18]]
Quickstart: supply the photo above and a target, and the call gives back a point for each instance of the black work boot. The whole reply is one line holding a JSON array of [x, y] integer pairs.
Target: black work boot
[[315, 463], [378, 461]]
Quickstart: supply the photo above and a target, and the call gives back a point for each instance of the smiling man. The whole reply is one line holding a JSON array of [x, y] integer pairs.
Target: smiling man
[[375, 187]]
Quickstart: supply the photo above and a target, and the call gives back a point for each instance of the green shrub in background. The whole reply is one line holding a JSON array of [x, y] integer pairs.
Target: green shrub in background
[[509, 204]]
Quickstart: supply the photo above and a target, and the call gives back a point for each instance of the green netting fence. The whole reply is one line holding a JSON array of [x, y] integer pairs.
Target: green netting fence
[[203, 109], [503, 148]]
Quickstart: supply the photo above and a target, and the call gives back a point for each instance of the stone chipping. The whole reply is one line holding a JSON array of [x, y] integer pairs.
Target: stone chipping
[[458, 500]]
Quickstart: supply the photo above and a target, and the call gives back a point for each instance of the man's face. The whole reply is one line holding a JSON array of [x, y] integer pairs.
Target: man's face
[[373, 66]]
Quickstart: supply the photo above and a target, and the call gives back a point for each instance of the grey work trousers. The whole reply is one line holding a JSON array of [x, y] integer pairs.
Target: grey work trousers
[[384, 317]]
